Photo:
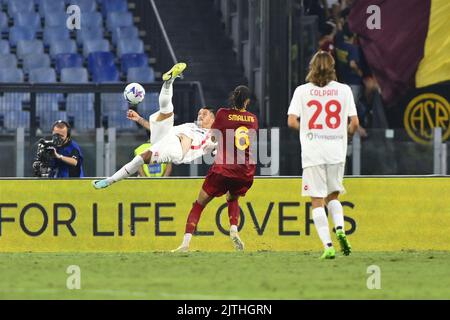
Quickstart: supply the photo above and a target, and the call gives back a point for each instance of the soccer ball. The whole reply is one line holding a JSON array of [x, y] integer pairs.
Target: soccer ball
[[134, 93]]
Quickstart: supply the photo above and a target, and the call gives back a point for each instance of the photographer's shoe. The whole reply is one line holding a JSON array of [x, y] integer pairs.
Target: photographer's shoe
[[100, 184]]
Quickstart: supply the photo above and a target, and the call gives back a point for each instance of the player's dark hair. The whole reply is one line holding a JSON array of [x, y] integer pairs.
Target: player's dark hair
[[321, 69], [239, 96], [210, 110]]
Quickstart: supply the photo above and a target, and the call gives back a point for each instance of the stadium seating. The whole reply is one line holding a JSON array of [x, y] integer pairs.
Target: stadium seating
[[89, 34], [18, 33], [35, 61], [55, 33], [141, 75], [20, 6], [124, 33], [91, 46], [119, 19], [86, 6], [62, 46], [74, 75], [36, 47], [28, 19], [53, 6], [43, 75], [68, 60], [131, 60], [54, 19], [4, 47], [26, 47], [114, 6], [91, 20], [106, 74], [3, 22], [7, 61], [11, 74]]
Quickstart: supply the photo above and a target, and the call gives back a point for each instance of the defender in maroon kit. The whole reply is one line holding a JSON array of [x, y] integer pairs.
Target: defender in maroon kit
[[234, 130]]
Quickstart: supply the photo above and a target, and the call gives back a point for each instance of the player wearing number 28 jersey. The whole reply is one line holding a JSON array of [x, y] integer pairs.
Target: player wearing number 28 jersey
[[327, 113], [234, 130]]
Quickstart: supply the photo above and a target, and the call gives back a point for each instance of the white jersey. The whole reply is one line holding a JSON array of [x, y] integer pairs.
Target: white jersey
[[324, 114], [199, 137]]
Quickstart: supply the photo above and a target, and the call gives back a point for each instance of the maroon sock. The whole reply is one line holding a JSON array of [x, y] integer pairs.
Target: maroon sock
[[233, 212], [194, 217]]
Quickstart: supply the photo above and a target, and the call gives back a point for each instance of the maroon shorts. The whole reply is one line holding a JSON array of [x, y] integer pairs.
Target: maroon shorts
[[217, 185]]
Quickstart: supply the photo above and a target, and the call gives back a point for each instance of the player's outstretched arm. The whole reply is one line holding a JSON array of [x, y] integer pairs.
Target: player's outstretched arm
[[134, 116]]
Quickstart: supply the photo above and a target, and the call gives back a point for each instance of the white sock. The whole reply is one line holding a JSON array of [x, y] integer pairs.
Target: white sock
[[127, 170], [233, 228], [337, 213], [186, 240], [321, 223], [165, 97]]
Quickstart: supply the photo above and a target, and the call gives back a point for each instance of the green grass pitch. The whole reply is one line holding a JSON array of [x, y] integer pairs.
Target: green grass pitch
[[247, 275]]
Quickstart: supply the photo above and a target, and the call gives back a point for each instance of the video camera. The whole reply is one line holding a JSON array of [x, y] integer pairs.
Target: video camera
[[42, 165]]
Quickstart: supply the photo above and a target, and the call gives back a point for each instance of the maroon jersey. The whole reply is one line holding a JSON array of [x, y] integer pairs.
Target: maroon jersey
[[236, 142]]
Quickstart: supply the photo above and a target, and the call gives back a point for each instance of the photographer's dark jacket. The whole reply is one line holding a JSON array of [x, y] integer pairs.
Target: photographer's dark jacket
[[64, 170]]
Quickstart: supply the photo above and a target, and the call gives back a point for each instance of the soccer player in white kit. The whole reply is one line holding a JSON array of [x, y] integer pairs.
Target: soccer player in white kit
[[169, 143], [327, 113]]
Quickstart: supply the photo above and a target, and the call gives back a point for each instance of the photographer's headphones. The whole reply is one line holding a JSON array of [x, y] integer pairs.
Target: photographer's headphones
[[69, 128]]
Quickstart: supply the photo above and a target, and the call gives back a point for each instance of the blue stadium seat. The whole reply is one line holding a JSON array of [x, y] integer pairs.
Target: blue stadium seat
[[42, 75], [11, 74], [55, 33], [62, 46], [131, 60], [119, 19], [150, 105], [114, 6], [89, 34], [141, 75], [4, 47], [54, 19], [74, 75], [68, 60], [20, 33], [124, 33], [35, 61], [85, 5], [26, 47], [55, 6], [46, 119], [3, 22], [8, 61], [98, 60], [106, 74], [16, 6], [95, 46], [80, 110], [17, 119], [125, 46], [28, 19], [91, 20]]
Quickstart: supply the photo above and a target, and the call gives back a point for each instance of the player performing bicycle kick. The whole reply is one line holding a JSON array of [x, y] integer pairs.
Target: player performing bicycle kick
[[169, 143]]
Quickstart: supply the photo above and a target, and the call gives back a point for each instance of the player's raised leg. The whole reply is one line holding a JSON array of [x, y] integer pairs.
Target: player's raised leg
[[321, 223], [233, 214], [127, 170], [337, 213], [193, 219]]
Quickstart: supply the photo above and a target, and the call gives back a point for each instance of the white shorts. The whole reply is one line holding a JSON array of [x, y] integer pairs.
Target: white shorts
[[167, 149], [165, 146], [320, 181], [158, 129]]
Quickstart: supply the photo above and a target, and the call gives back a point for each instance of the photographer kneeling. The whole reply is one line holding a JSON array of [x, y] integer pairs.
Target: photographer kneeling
[[61, 157]]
